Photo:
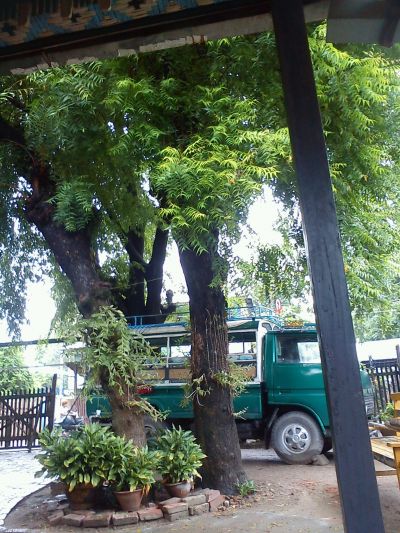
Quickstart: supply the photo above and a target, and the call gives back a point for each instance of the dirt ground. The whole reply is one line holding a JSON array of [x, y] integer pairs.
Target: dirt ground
[[289, 499]]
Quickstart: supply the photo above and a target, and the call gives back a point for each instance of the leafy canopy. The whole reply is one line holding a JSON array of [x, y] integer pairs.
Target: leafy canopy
[[358, 91], [13, 374], [144, 141]]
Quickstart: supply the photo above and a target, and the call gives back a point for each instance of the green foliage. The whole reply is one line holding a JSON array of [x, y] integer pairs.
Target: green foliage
[[210, 183], [13, 375], [235, 379], [85, 456], [180, 455], [132, 467], [387, 413], [144, 141], [74, 201], [114, 356], [358, 92], [279, 272], [194, 390], [92, 455], [246, 488]]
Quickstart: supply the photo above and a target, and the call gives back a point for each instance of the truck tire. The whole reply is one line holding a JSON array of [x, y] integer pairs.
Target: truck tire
[[296, 438]]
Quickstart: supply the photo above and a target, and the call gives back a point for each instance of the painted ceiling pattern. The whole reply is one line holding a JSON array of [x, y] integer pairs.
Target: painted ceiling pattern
[[23, 21]]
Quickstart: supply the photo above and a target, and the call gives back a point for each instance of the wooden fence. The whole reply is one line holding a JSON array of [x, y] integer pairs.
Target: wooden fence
[[385, 377], [24, 414]]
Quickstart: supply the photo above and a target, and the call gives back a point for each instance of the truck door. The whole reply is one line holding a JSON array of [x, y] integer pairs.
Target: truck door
[[297, 374]]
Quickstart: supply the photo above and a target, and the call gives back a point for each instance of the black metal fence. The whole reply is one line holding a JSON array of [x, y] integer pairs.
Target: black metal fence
[[24, 414], [385, 377]]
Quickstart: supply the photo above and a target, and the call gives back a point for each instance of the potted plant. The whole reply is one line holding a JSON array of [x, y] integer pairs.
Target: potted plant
[[82, 460], [132, 473], [180, 459]]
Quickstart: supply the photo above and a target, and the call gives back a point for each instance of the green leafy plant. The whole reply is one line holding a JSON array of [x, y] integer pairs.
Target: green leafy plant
[[114, 357], [387, 413], [132, 467], [180, 455], [235, 379], [246, 488], [86, 456], [194, 388]]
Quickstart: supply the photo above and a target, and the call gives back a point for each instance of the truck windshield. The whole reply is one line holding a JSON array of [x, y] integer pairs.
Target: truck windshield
[[298, 349]]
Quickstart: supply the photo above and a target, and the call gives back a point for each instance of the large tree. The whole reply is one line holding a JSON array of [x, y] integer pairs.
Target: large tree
[[66, 189], [142, 135], [97, 158]]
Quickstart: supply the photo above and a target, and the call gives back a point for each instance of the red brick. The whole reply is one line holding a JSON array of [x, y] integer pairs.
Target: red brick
[[212, 495], [73, 519], [199, 509], [150, 514], [200, 491], [122, 518], [195, 500], [55, 518], [97, 520], [86, 512], [175, 508], [214, 504], [176, 516], [64, 507], [169, 502]]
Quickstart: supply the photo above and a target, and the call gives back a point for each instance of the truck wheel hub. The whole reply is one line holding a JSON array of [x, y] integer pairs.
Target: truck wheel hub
[[296, 438]]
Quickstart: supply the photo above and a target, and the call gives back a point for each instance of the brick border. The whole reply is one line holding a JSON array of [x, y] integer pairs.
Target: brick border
[[197, 503]]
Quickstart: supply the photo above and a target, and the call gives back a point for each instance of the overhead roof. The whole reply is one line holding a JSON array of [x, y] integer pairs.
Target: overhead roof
[[364, 21], [44, 32]]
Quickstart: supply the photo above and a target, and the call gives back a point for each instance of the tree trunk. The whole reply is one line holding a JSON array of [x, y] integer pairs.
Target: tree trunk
[[74, 253], [126, 421], [215, 425]]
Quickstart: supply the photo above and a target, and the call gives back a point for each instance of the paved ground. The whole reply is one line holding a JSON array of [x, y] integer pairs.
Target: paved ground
[[17, 470], [289, 499]]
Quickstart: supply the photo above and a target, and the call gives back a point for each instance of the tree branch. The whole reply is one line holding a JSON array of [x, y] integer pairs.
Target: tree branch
[[158, 253], [135, 248], [154, 272]]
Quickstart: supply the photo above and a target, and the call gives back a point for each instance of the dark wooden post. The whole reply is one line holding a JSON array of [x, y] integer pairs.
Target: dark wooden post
[[52, 402], [354, 462]]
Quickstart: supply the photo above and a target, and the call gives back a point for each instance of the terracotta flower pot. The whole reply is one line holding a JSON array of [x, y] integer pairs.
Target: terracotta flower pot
[[83, 496], [129, 501], [179, 490]]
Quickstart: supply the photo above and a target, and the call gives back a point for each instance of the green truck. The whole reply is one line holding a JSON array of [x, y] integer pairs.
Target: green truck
[[284, 401]]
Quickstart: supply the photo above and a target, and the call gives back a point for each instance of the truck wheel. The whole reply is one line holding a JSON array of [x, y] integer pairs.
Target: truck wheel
[[296, 438]]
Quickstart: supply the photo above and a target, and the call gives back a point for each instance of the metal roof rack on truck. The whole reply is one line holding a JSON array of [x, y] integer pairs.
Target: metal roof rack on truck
[[182, 318]]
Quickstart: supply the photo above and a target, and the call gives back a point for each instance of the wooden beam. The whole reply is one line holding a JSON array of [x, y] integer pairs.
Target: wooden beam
[[125, 30], [354, 462]]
